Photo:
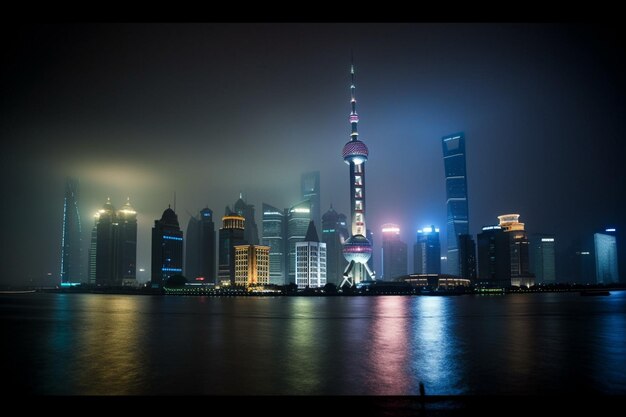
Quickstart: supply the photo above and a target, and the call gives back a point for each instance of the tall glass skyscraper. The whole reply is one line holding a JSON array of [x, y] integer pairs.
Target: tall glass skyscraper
[[167, 248], [298, 219], [310, 188], [200, 247], [251, 232], [427, 251], [393, 253], [606, 257], [456, 196], [542, 258], [274, 237], [71, 242]]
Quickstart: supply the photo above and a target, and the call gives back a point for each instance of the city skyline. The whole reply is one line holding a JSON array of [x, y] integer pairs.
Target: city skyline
[[110, 126]]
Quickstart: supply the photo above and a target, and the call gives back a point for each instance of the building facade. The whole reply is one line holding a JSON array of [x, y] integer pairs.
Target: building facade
[[231, 234], [245, 210], [200, 247], [427, 251], [393, 253], [543, 258], [456, 196], [252, 265], [274, 237], [334, 235], [310, 190], [167, 248], [311, 260], [298, 218], [467, 257], [71, 237], [605, 245]]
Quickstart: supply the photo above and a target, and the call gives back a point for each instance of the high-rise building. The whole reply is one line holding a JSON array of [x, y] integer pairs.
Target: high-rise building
[[127, 235], [71, 238], [167, 248], [298, 218], [605, 245], [93, 245], [311, 260], [107, 246], [252, 267], [467, 257], [370, 262], [456, 196], [494, 257], [334, 235], [542, 258], [357, 250], [580, 266], [427, 251], [393, 253], [231, 234], [310, 190], [113, 247], [520, 251], [200, 247], [245, 210], [274, 237]]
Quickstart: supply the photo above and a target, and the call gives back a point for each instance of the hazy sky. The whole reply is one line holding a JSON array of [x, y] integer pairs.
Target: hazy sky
[[209, 110]]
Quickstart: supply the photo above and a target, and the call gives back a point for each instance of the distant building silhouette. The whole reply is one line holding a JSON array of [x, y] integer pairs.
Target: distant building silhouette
[[167, 248], [274, 237], [605, 245], [251, 231], [252, 266], [311, 260], [71, 237], [394, 253], [200, 247], [543, 258], [310, 190], [467, 257], [93, 245], [456, 196], [231, 234], [298, 218], [334, 234], [580, 265], [115, 246], [427, 251]]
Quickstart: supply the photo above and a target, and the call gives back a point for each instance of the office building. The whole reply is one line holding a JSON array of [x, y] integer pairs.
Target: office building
[[456, 196], [274, 237], [467, 257], [200, 247], [310, 190], [167, 248], [393, 253], [427, 251], [311, 260], [543, 258], [71, 236], [298, 218], [605, 246], [252, 265], [231, 234], [245, 210]]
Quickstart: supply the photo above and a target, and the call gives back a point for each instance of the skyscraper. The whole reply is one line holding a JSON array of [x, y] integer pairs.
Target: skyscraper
[[71, 240], [427, 251], [456, 196], [519, 248], [298, 218], [245, 210], [127, 236], [167, 248], [107, 244], [542, 258], [357, 249], [200, 247], [467, 257], [310, 188], [605, 245], [93, 245], [231, 234], [274, 237], [334, 235], [494, 256], [394, 256], [252, 266], [311, 260]]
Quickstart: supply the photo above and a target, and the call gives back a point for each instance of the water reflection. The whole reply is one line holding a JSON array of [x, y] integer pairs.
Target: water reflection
[[389, 347], [435, 359]]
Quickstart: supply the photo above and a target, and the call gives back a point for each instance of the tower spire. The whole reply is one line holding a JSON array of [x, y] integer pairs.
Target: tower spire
[[354, 117]]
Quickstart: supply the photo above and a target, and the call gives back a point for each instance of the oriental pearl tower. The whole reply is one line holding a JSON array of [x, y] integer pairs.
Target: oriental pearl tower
[[357, 249]]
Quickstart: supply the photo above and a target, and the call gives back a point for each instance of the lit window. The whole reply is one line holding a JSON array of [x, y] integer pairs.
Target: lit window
[[358, 205], [358, 180], [358, 192]]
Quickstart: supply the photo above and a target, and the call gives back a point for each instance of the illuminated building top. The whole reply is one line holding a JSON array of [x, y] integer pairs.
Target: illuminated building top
[[509, 222]]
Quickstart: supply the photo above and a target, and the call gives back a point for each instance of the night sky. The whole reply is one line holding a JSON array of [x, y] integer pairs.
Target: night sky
[[208, 110]]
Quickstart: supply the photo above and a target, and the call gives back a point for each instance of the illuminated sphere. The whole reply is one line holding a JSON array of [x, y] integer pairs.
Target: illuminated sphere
[[357, 249], [355, 151]]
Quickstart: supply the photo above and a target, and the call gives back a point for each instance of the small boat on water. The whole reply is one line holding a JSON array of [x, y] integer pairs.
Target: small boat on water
[[589, 293]]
